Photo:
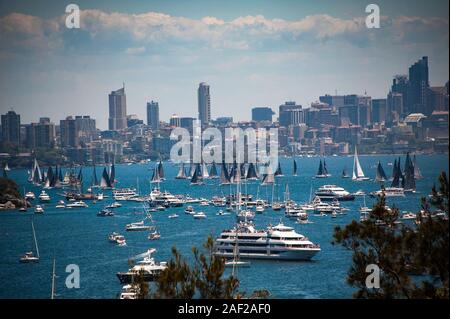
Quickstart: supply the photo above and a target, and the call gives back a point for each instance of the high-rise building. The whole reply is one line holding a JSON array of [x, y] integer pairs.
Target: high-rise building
[[187, 123], [418, 87], [40, 135], [68, 132], [175, 121], [291, 114], [260, 114], [204, 104], [117, 110], [395, 107], [153, 115], [379, 110], [11, 128]]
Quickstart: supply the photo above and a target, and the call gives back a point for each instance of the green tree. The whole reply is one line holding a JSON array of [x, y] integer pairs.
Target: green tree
[[413, 261]]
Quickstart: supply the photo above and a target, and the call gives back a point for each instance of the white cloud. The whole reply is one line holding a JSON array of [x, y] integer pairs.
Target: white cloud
[[135, 50], [136, 31]]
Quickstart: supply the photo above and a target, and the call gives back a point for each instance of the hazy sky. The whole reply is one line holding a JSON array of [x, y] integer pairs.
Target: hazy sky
[[252, 53]]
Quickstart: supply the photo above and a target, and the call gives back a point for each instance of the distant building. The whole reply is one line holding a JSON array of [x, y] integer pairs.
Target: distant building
[[399, 91], [291, 114], [204, 104], [117, 110], [379, 110], [261, 114], [11, 128], [40, 135], [418, 87], [223, 121], [175, 121], [187, 123], [437, 99], [153, 115], [68, 132], [133, 120], [395, 107]]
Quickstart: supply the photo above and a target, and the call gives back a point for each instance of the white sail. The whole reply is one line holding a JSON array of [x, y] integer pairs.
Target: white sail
[[357, 170], [205, 171], [7, 167], [181, 174]]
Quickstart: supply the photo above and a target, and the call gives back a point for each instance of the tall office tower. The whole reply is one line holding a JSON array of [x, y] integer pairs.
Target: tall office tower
[[290, 114], [400, 87], [40, 134], [395, 107], [153, 115], [117, 110], [175, 121], [11, 128], [204, 104], [379, 110], [260, 114], [418, 87], [68, 132]]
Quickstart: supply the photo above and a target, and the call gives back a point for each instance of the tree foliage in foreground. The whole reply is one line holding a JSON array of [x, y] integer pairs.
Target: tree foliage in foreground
[[413, 260], [202, 279]]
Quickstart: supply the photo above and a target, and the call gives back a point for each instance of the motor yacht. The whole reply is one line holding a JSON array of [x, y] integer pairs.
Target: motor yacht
[[331, 192], [78, 204], [105, 213], [138, 226], [30, 196], [278, 242], [200, 215], [38, 209], [148, 267], [44, 197], [389, 192]]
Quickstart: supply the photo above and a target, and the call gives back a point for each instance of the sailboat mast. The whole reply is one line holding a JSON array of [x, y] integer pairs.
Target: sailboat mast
[[53, 280], [35, 241]]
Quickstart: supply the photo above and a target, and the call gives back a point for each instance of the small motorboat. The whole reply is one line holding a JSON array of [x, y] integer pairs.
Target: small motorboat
[[200, 215], [30, 196], [29, 257], [22, 209], [105, 213], [77, 204], [61, 204], [189, 210], [173, 216], [154, 235], [38, 209], [138, 226], [114, 205], [44, 197]]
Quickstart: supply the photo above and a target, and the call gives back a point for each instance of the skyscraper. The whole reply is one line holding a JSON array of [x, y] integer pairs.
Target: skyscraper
[[40, 134], [418, 87], [204, 103], [291, 114], [262, 114], [153, 115], [11, 128], [117, 110]]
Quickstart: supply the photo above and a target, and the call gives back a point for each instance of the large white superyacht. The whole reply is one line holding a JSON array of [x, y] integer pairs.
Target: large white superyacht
[[278, 242]]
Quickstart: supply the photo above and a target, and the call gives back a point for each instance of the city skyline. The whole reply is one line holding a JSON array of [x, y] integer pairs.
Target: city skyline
[[250, 57]]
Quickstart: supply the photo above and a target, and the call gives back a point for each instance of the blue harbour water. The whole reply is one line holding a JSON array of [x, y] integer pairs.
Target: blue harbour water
[[78, 236]]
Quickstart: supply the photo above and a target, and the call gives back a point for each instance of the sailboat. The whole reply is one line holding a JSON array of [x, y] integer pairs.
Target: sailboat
[[268, 178], [251, 172], [381, 175], [29, 257], [278, 172], [224, 177], [409, 176], [7, 167], [325, 169], [105, 181], [161, 171], [197, 178], [295, 168], [213, 171], [181, 173], [321, 172], [344, 173], [205, 173], [358, 174], [417, 172]]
